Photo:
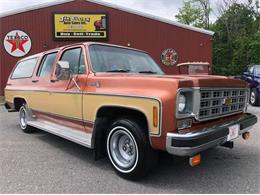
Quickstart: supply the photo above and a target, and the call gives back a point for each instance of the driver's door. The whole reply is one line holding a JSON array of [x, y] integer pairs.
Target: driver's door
[[65, 96]]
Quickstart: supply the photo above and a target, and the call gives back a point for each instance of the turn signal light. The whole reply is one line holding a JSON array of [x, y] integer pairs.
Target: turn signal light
[[155, 116], [246, 135], [195, 160]]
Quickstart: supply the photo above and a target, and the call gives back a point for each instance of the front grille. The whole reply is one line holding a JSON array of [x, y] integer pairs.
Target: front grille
[[218, 102]]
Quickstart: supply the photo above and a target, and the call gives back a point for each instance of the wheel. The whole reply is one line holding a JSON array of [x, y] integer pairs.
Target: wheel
[[129, 149], [253, 98], [23, 113]]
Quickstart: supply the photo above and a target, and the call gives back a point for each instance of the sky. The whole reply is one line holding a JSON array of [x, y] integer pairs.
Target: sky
[[163, 8]]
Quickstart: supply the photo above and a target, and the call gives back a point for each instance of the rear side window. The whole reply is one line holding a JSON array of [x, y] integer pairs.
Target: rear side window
[[46, 65], [76, 59], [24, 69]]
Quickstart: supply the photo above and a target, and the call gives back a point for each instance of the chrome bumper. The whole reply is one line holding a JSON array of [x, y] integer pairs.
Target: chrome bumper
[[192, 143]]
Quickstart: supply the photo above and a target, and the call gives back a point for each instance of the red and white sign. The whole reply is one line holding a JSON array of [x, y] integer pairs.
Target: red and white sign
[[17, 43], [169, 57]]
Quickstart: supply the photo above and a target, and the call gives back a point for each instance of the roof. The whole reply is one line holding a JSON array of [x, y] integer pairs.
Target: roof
[[132, 11]]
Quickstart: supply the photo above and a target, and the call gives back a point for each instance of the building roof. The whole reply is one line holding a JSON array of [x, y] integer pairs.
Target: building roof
[[132, 11]]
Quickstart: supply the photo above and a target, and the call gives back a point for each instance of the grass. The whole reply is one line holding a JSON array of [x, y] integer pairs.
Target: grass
[[2, 100]]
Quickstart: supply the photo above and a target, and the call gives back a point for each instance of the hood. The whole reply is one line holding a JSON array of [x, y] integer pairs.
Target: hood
[[156, 84], [209, 81]]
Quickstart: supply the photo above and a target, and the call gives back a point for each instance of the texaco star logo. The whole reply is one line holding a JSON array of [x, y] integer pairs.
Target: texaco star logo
[[17, 43]]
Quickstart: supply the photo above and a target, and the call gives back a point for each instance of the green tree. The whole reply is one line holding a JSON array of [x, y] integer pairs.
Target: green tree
[[190, 14], [195, 13], [254, 50], [237, 32], [206, 10], [236, 39]]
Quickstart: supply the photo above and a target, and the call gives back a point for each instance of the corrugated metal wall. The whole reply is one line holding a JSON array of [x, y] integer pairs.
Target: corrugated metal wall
[[142, 33]]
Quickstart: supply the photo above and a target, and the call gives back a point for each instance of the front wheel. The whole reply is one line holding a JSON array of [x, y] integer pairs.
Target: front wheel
[[129, 149], [253, 98]]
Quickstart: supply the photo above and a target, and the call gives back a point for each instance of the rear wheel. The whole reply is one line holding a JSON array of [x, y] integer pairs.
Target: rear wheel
[[23, 117], [254, 100], [129, 149]]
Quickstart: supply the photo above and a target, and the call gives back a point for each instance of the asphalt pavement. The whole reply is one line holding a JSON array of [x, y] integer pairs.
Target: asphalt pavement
[[45, 163]]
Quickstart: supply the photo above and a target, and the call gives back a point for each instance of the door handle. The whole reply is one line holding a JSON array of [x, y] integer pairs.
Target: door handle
[[35, 81]]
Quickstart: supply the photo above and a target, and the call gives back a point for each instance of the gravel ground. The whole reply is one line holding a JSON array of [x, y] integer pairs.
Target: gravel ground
[[44, 163]]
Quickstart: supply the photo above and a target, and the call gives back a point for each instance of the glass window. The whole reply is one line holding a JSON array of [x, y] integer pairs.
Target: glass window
[[115, 59], [46, 64], [75, 58], [251, 70], [24, 69], [257, 70], [82, 66]]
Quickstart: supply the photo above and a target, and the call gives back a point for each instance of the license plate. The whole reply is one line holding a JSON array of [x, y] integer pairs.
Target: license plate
[[233, 132]]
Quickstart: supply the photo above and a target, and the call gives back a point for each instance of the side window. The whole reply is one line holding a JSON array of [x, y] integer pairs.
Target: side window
[[76, 59], [251, 69], [82, 66], [46, 65], [24, 69]]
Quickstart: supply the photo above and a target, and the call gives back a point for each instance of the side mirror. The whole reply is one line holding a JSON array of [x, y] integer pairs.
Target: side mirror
[[62, 70]]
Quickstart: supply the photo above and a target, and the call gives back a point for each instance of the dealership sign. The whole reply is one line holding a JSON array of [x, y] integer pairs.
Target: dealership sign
[[17, 43], [80, 26], [169, 57]]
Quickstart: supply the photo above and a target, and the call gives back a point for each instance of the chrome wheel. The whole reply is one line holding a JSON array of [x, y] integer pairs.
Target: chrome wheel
[[122, 149], [23, 118], [252, 97]]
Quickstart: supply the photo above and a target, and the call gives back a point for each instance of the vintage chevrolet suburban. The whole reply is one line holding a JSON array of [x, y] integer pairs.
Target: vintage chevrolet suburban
[[117, 101]]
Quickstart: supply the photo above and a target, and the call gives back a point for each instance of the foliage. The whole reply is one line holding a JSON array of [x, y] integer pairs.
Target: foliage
[[237, 32], [195, 12], [206, 9], [236, 40], [190, 14], [254, 50]]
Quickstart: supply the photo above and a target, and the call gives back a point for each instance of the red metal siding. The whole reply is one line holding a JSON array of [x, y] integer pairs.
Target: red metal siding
[[142, 33]]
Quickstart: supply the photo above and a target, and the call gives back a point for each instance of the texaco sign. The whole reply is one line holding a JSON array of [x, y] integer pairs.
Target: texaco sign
[[169, 57], [17, 43]]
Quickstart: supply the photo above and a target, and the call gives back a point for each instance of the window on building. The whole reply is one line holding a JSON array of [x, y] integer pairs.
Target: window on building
[[24, 69], [75, 57], [46, 65]]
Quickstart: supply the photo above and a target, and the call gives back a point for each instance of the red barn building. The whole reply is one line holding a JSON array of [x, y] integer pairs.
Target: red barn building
[[35, 29]]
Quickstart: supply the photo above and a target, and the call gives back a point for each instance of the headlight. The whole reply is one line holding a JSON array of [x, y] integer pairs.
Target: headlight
[[182, 103]]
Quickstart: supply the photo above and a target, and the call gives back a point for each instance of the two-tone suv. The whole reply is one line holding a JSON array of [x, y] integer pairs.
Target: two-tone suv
[[117, 101]]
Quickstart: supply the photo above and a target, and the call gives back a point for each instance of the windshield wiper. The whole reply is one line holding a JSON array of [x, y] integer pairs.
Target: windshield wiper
[[148, 72], [118, 70]]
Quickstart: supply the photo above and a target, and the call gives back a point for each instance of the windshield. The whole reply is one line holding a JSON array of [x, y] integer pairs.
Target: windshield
[[257, 70], [115, 59]]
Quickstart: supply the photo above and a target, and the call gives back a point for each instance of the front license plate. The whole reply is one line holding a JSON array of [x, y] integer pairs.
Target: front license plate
[[233, 132]]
